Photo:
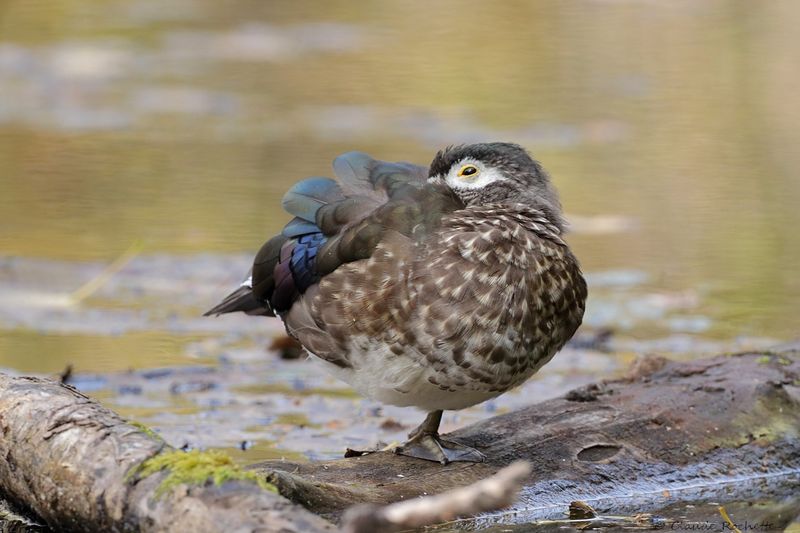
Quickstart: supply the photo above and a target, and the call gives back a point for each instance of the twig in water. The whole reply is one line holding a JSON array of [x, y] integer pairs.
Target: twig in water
[[66, 374], [727, 518], [94, 284]]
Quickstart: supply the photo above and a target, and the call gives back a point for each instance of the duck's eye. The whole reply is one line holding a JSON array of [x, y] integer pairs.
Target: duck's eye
[[468, 170]]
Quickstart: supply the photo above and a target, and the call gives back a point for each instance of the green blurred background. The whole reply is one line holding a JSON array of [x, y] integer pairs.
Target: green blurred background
[[671, 130]]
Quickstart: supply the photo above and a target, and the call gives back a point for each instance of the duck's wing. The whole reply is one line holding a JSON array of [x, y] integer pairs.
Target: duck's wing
[[242, 299], [337, 221]]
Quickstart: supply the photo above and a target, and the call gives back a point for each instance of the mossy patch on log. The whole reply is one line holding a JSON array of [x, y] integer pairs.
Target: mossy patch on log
[[196, 467], [147, 430], [774, 358]]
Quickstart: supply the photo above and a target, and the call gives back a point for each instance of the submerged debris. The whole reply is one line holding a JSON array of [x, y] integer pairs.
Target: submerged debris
[[286, 347], [579, 510], [66, 375]]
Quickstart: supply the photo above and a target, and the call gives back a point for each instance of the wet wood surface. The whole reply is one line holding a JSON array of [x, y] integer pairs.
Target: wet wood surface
[[665, 426], [65, 460]]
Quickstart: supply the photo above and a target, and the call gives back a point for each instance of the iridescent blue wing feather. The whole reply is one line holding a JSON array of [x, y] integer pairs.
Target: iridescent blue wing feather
[[306, 197], [298, 227]]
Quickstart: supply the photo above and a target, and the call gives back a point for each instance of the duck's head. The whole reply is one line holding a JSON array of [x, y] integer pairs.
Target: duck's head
[[496, 173]]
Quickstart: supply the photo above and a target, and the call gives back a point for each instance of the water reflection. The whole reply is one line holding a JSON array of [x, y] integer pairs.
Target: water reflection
[[182, 125]]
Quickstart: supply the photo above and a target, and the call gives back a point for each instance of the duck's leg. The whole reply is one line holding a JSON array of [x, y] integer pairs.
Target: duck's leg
[[425, 443]]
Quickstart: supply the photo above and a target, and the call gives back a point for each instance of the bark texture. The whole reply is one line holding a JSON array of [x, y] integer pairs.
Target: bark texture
[[721, 426], [67, 460]]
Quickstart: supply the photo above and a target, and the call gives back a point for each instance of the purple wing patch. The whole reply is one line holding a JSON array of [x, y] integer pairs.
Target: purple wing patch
[[295, 271]]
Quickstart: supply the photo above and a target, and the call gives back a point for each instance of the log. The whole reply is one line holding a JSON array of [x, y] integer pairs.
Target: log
[[72, 464], [720, 428], [670, 431]]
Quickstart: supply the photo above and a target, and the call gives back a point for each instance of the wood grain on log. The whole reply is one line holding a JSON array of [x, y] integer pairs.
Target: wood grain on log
[[667, 430], [68, 460]]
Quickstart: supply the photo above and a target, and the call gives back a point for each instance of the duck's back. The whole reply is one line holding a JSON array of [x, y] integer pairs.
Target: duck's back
[[372, 208]]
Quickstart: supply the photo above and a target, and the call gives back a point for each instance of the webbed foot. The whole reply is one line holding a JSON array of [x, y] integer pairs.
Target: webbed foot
[[425, 443], [431, 447]]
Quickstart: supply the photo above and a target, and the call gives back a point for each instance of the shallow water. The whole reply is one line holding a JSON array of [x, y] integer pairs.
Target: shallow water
[[182, 124], [170, 130]]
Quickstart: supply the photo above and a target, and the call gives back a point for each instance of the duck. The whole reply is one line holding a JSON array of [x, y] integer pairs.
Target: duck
[[437, 287]]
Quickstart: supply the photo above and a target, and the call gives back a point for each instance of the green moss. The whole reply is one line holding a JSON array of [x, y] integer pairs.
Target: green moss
[[196, 468], [147, 430], [771, 418], [774, 358]]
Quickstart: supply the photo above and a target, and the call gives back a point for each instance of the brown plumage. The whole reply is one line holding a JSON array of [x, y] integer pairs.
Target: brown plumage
[[438, 288]]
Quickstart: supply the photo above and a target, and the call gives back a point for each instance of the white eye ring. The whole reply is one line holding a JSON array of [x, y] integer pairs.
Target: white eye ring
[[480, 178]]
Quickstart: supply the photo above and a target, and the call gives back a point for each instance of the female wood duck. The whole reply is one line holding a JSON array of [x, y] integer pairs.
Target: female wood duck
[[436, 287]]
